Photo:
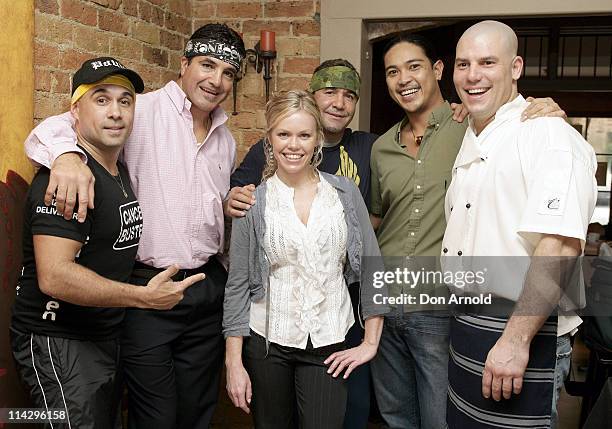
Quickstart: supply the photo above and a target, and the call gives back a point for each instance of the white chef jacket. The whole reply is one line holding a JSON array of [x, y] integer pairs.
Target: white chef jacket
[[511, 184]]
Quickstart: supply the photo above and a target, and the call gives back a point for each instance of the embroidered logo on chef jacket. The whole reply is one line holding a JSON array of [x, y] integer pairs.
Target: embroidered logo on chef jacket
[[552, 204], [554, 183]]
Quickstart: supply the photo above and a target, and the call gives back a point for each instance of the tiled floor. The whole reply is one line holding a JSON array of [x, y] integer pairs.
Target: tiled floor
[[229, 417]]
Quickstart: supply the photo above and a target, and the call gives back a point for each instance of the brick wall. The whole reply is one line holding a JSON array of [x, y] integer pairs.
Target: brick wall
[[297, 28], [147, 35]]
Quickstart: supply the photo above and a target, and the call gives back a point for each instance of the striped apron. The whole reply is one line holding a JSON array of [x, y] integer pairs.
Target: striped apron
[[471, 338]]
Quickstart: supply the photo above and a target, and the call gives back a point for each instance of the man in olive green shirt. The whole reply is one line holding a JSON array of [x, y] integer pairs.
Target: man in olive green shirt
[[408, 189], [410, 171]]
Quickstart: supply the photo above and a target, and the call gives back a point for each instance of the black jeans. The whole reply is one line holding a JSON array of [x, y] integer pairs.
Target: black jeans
[[173, 359], [288, 376]]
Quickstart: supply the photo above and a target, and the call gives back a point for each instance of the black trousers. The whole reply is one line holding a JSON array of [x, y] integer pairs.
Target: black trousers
[[173, 359], [78, 378], [358, 384], [288, 376]]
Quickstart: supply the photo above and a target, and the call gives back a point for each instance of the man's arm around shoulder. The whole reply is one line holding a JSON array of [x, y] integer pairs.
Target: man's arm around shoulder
[[51, 138], [243, 182], [53, 144]]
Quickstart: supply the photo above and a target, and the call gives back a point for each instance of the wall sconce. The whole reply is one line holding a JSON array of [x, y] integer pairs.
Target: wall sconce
[[261, 58]]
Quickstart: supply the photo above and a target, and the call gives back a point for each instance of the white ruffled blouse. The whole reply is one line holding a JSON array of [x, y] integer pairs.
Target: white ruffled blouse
[[308, 293]]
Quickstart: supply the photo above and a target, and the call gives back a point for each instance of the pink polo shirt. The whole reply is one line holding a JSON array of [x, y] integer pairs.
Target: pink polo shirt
[[179, 183]]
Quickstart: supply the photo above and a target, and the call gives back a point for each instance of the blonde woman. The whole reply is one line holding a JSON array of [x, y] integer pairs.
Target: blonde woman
[[287, 307]]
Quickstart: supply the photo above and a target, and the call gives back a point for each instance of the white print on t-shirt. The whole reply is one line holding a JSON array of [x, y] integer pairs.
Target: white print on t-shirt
[[51, 210], [51, 305], [131, 226]]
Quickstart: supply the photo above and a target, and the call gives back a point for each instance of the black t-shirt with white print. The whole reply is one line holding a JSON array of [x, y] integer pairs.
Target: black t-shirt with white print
[[110, 236]]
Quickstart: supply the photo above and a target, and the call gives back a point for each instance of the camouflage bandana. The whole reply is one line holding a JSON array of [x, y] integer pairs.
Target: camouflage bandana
[[336, 77]]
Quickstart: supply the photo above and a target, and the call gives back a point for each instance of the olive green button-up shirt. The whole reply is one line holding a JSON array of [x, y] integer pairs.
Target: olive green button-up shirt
[[408, 193]]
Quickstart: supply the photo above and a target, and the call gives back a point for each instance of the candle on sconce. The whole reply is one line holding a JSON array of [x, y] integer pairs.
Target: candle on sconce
[[268, 42]]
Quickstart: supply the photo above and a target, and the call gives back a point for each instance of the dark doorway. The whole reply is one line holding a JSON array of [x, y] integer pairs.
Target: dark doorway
[[555, 49]]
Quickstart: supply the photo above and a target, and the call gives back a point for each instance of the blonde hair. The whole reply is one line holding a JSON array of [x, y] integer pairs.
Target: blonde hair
[[282, 106]]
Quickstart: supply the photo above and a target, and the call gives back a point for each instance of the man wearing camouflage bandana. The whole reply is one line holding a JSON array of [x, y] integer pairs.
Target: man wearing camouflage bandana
[[335, 77], [335, 85]]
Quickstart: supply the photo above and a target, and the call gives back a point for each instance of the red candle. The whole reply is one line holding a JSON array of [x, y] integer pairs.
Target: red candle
[[268, 42]]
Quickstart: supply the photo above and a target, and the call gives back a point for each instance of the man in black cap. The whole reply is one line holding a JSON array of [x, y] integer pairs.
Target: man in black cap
[[72, 291]]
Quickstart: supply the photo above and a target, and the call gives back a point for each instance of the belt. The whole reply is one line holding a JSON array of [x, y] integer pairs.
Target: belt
[[147, 272]]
